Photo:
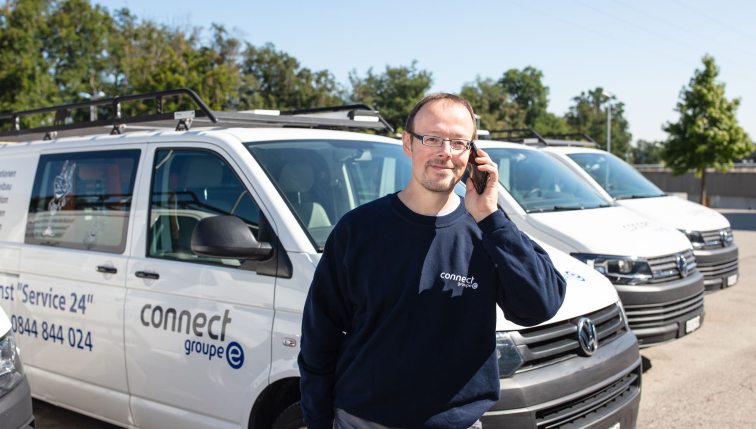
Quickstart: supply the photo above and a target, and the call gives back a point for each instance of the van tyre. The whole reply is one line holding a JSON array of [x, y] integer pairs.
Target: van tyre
[[291, 418]]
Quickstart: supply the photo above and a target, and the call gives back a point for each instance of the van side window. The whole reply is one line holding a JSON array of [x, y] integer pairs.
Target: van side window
[[82, 200], [188, 186]]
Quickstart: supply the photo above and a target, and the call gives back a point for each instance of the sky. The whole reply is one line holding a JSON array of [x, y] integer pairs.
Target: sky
[[641, 51]]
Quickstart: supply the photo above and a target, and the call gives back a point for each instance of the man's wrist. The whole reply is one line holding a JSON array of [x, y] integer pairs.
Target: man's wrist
[[492, 222], [479, 216]]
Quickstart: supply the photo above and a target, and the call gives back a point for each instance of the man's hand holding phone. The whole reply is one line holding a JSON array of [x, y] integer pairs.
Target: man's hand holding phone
[[482, 205]]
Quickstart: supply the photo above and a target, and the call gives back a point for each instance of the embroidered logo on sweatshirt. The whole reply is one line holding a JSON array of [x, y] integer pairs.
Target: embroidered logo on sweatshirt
[[461, 281]]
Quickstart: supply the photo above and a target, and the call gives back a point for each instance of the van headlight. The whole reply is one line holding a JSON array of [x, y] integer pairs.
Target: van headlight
[[11, 368], [621, 270], [695, 237], [510, 359]]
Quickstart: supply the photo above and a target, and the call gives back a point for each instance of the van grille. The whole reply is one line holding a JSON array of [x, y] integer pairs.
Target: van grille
[[717, 270], [713, 239], [665, 268], [582, 411], [652, 316], [545, 345]]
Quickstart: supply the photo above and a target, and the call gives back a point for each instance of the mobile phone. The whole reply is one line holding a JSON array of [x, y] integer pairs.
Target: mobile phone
[[479, 178]]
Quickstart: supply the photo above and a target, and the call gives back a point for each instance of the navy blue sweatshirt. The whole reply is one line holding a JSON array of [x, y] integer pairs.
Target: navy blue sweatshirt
[[399, 324]]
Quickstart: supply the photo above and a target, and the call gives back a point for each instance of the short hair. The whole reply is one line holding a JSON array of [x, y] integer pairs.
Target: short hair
[[441, 96]]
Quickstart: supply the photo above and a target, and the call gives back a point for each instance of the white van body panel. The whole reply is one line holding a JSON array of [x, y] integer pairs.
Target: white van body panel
[[610, 231], [16, 181], [169, 384], [5, 323], [677, 213], [607, 231], [669, 211], [61, 288], [290, 300], [587, 290], [16, 178], [78, 395], [286, 327]]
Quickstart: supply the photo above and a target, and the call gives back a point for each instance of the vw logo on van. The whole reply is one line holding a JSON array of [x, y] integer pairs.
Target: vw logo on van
[[724, 236], [587, 336], [682, 265]]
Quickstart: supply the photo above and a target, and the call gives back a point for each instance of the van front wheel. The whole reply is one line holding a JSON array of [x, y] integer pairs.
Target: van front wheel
[[291, 418]]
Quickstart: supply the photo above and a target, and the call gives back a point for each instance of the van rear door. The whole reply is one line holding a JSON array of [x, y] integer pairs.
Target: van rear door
[[70, 300], [198, 330]]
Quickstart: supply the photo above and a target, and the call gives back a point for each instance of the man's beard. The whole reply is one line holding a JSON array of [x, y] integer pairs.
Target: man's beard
[[438, 185]]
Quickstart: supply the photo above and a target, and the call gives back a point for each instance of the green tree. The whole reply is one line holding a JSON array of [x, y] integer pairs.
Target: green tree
[[394, 92], [50, 51], [150, 57], [275, 80], [76, 48], [749, 158], [588, 115], [707, 135], [527, 90], [214, 70], [24, 79], [549, 123], [491, 102], [646, 152], [526, 102]]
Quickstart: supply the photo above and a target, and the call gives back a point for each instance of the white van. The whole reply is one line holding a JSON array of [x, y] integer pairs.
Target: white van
[[652, 266], [15, 396], [708, 231], [123, 321]]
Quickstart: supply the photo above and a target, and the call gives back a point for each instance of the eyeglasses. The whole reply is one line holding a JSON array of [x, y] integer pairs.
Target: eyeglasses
[[434, 141]]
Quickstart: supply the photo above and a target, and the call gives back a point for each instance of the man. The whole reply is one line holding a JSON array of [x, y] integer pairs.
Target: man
[[399, 325]]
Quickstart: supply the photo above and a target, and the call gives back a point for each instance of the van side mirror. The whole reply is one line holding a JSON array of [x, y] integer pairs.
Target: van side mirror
[[227, 237]]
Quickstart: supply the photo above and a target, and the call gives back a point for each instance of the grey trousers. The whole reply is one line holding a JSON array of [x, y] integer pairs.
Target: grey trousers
[[344, 420]]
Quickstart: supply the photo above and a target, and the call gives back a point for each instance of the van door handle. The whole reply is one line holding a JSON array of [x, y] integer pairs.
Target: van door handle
[[146, 275], [106, 270]]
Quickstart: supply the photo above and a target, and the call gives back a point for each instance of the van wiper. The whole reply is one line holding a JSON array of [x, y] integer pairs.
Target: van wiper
[[565, 208], [628, 197], [554, 209]]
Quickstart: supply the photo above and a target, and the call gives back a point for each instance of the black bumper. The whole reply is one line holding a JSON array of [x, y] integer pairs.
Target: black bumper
[[16, 407], [658, 313], [717, 265], [581, 392]]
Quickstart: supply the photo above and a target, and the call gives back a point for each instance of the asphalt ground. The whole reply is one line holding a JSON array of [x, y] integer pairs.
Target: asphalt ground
[[706, 379]]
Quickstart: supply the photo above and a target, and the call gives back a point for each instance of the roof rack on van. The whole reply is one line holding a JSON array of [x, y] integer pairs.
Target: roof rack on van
[[566, 140], [520, 135], [484, 135], [355, 116]]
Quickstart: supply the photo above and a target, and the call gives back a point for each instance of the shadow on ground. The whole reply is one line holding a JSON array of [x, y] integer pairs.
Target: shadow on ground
[[742, 221], [645, 364], [49, 416]]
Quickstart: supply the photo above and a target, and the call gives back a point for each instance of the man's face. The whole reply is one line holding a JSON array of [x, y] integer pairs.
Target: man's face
[[438, 169]]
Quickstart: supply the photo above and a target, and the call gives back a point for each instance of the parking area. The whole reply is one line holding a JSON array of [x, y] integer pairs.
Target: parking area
[[705, 380], [708, 380]]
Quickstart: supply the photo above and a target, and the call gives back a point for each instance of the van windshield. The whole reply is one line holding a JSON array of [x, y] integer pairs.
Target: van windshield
[[540, 183], [617, 177], [321, 180]]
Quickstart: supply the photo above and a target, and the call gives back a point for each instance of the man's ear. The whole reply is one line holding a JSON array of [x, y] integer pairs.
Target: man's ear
[[407, 143]]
